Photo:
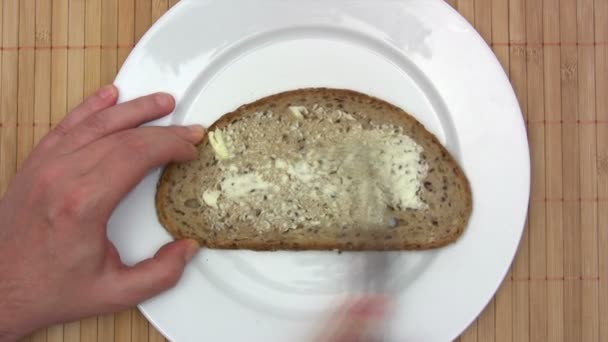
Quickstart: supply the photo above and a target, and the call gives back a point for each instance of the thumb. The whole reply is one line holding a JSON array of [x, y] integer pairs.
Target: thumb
[[157, 274]]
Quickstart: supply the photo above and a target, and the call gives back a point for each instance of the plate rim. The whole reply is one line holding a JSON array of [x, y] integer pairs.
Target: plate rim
[[144, 40]]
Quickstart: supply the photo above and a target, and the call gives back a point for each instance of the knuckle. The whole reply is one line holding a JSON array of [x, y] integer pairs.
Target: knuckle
[[180, 131], [144, 104], [177, 144], [136, 144], [176, 149], [44, 144], [97, 122], [168, 278], [61, 129]]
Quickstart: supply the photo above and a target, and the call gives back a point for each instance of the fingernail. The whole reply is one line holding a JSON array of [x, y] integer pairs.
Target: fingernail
[[198, 132], [107, 92], [193, 248], [164, 100]]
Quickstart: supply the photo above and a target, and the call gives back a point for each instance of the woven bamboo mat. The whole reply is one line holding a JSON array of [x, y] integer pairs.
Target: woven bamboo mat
[[53, 53]]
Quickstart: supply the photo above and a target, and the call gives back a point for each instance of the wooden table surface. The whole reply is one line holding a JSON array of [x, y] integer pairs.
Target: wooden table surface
[[55, 52]]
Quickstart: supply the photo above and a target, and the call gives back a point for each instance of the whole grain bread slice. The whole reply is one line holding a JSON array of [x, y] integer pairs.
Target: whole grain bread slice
[[317, 169]]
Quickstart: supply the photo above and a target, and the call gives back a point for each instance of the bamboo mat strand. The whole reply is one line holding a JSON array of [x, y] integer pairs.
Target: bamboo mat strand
[[54, 53], [601, 109], [571, 175], [109, 37], [588, 171], [126, 34], [8, 99], [536, 134], [553, 175]]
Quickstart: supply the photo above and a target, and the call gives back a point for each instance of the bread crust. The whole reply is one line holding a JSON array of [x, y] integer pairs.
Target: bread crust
[[397, 115]]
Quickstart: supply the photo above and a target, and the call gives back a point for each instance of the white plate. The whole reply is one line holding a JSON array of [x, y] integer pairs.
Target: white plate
[[214, 55]]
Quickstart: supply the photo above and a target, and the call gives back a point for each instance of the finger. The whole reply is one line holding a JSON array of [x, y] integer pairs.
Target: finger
[[134, 152], [103, 98], [117, 118], [369, 307], [150, 277], [358, 321], [95, 154]]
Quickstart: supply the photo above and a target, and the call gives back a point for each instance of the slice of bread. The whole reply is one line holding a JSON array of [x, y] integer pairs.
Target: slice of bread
[[317, 169]]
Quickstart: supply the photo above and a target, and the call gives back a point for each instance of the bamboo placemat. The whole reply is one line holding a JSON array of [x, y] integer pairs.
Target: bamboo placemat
[[53, 53]]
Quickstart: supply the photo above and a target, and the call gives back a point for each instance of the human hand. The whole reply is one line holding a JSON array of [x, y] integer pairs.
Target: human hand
[[358, 320], [56, 262]]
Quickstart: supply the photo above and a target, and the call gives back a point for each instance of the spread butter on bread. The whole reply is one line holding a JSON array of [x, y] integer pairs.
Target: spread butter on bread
[[317, 169]]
